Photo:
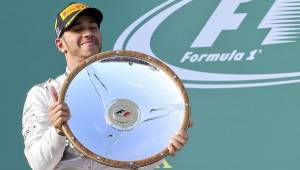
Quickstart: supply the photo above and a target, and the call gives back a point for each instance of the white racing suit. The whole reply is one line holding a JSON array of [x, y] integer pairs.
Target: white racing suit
[[44, 148]]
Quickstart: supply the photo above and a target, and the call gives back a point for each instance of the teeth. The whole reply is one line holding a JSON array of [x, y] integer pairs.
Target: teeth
[[88, 43]]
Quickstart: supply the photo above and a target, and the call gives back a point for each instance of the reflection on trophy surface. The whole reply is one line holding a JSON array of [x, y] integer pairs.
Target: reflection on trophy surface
[[125, 108]]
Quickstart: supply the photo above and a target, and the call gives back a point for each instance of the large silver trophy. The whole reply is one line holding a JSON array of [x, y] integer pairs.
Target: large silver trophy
[[125, 107]]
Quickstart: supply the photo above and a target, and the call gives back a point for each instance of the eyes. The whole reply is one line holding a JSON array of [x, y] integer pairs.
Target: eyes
[[79, 28]]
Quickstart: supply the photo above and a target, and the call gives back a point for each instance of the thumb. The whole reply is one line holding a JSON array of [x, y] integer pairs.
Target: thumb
[[53, 94]]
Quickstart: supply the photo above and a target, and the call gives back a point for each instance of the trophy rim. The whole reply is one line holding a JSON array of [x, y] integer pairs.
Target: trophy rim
[[137, 55]]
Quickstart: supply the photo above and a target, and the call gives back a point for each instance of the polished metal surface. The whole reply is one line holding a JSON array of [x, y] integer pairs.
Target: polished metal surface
[[124, 110]]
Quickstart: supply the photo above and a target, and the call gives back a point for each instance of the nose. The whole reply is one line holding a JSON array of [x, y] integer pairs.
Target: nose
[[87, 33]]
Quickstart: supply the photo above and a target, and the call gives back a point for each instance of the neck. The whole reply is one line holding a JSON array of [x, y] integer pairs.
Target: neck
[[73, 62]]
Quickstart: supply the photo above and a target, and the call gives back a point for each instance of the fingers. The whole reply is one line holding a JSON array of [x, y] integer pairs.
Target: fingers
[[60, 121], [171, 149], [55, 108], [59, 107], [54, 95], [58, 118], [57, 124], [177, 142], [181, 139], [182, 133], [174, 146], [58, 113], [54, 116]]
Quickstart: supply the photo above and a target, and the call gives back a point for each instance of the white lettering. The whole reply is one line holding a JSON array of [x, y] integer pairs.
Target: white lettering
[[238, 56], [186, 56], [252, 54], [234, 56], [202, 57], [224, 56], [194, 58], [213, 57]]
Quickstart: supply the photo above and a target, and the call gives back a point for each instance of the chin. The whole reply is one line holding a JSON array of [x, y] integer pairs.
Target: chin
[[90, 53]]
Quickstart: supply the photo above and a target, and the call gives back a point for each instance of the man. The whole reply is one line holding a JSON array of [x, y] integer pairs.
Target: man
[[46, 148]]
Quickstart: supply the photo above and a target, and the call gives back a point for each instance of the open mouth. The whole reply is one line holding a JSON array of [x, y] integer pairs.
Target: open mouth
[[89, 43]]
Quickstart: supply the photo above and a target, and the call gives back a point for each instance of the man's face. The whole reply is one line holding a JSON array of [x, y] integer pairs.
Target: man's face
[[82, 39]]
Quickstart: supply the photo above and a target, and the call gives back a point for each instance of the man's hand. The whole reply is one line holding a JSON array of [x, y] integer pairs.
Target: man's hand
[[178, 141], [58, 112]]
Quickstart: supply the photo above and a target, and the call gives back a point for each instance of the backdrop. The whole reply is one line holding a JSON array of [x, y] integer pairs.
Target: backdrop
[[239, 60]]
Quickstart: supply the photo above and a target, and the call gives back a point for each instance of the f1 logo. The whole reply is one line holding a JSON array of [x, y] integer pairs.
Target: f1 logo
[[223, 18], [281, 19]]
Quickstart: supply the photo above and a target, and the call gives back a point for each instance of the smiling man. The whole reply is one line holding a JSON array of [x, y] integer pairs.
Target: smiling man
[[46, 148]]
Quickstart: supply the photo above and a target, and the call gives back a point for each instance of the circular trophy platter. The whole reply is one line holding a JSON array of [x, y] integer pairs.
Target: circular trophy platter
[[125, 107]]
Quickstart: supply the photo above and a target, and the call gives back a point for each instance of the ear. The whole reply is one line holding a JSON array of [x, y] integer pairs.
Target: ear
[[60, 46]]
